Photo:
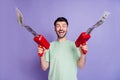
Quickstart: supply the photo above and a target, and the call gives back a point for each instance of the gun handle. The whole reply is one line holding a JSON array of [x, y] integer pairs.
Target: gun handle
[[81, 40], [41, 54], [83, 51]]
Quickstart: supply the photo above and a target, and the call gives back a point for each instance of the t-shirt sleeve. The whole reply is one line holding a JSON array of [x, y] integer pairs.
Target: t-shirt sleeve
[[78, 52], [47, 55]]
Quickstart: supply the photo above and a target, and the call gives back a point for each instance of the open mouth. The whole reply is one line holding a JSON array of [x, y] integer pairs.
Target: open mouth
[[61, 32]]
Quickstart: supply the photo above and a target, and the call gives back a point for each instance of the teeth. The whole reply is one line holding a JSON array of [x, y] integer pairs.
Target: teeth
[[61, 31]]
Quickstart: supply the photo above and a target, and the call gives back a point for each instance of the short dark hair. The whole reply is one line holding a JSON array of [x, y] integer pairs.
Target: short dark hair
[[60, 19]]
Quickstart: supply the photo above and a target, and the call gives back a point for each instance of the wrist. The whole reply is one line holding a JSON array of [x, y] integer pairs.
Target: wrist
[[42, 58], [83, 55]]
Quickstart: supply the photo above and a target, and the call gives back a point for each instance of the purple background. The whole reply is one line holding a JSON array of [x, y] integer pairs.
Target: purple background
[[18, 51]]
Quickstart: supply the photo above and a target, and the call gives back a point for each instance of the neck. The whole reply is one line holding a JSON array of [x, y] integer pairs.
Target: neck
[[61, 39]]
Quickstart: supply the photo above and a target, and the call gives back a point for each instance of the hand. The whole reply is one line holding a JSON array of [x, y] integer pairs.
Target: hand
[[41, 50], [84, 48]]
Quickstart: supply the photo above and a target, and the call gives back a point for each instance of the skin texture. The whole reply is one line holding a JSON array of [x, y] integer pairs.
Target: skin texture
[[61, 29]]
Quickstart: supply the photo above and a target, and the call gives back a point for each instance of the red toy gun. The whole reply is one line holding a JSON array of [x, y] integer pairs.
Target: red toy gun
[[85, 36], [38, 38]]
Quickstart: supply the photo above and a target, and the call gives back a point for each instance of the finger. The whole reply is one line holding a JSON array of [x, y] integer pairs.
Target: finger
[[40, 50], [84, 47], [80, 45], [39, 46]]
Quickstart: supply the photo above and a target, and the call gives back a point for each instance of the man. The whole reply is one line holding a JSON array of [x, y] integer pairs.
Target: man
[[63, 57]]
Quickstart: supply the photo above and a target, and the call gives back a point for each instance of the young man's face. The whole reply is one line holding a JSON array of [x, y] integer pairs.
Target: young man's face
[[61, 28]]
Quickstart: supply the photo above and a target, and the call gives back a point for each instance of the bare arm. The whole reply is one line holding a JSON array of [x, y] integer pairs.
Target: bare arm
[[82, 60], [43, 62]]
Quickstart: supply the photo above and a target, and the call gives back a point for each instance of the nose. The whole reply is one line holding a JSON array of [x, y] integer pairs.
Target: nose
[[61, 28]]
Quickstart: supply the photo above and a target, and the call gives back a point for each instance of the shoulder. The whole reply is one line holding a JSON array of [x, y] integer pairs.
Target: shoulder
[[52, 43]]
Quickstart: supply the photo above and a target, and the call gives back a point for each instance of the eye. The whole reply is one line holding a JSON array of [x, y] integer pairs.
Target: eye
[[57, 26], [64, 25]]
